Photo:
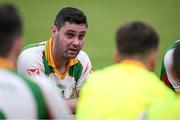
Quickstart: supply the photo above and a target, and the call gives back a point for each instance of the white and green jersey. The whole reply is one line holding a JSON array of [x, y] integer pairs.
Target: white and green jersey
[[167, 70], [35, 60], [27, 99]]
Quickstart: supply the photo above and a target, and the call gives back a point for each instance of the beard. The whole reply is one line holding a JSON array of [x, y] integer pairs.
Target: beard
[[71, 53]]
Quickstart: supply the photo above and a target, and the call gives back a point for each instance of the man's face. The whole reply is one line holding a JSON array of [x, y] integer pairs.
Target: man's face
[[69, 40]]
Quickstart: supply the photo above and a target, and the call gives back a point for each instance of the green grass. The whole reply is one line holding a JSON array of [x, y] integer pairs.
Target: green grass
[[104, 17]]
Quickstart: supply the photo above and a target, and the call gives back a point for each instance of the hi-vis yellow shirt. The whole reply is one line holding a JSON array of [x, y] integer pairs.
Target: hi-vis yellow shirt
[[169, 110], [121, 91]]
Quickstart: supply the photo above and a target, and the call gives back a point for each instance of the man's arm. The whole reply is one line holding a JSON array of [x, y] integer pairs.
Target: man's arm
[[72, 103]]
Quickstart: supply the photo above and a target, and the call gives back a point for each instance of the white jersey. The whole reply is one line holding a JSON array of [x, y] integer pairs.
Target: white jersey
[[34, 60], [27, 99], [167, 70]]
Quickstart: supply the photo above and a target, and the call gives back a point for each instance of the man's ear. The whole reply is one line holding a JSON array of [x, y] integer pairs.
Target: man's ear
[[116, 56], [151, 62], [54, 31], [16, 49]]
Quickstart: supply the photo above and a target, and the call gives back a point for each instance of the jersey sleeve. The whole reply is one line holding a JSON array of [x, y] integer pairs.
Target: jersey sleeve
[[30, 63], [167, 71], [164, 70], [87, 69]]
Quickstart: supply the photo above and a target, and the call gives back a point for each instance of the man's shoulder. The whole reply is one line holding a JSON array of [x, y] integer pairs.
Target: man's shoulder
[[31, 57], [171, 49], [9, 75], [11, 78], [83, 57], [82, 54], [172, 46], [34, 45], [105, 73], [32, 51]]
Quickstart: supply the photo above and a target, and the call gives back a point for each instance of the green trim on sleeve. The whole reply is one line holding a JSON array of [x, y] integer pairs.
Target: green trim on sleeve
[[42, 109], [174, 44], [2, 116]]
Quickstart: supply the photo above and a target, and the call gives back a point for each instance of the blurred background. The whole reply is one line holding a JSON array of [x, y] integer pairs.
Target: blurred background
[[104, 17]]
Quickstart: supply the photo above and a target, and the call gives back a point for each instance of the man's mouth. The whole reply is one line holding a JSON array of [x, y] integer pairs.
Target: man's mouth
[[73, 51]]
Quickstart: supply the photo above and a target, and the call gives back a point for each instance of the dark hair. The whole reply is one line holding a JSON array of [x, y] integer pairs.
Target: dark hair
[[71, 15], [136, 38], [176, 60], [10, 27]]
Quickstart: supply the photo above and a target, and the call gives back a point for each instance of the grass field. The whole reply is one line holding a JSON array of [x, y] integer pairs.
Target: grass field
[[104, 17]]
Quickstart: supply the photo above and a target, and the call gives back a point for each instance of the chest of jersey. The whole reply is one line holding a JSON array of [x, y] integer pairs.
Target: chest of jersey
[[65, 87]]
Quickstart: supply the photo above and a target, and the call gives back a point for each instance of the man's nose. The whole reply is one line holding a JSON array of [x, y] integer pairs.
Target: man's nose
[[76, 41]]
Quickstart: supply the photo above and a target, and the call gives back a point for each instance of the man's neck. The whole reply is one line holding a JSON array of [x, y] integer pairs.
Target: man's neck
[[61, 63], [59, 60], [6, 63]]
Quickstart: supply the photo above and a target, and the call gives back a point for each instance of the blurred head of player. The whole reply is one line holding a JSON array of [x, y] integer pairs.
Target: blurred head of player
[[68, 32], [10, 32], [137, 41]]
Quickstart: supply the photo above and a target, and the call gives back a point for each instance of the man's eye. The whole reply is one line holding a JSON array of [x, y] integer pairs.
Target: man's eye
[[69, 35], [81, 36]]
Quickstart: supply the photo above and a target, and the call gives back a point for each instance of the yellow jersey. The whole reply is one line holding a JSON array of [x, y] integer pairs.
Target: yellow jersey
[[168, 110], [121, 91]]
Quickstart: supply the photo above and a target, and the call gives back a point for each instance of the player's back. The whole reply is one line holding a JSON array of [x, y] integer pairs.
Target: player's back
[[166, 110], [22, 98], [125, 89]]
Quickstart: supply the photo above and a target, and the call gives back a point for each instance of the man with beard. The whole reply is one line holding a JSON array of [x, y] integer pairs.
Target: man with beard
[[60, 58]]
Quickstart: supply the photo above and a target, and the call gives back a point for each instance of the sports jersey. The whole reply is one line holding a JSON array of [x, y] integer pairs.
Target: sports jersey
[[21, 98], [121, 91], [37, 59], [167, 71]]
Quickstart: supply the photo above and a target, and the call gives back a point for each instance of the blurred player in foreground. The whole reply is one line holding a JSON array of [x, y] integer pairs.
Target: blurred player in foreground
[[170, 109], [167, 69], [126, 89], [21, 98]]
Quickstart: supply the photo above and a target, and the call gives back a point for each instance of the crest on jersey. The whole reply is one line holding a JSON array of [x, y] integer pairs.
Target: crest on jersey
[[33, 71]]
